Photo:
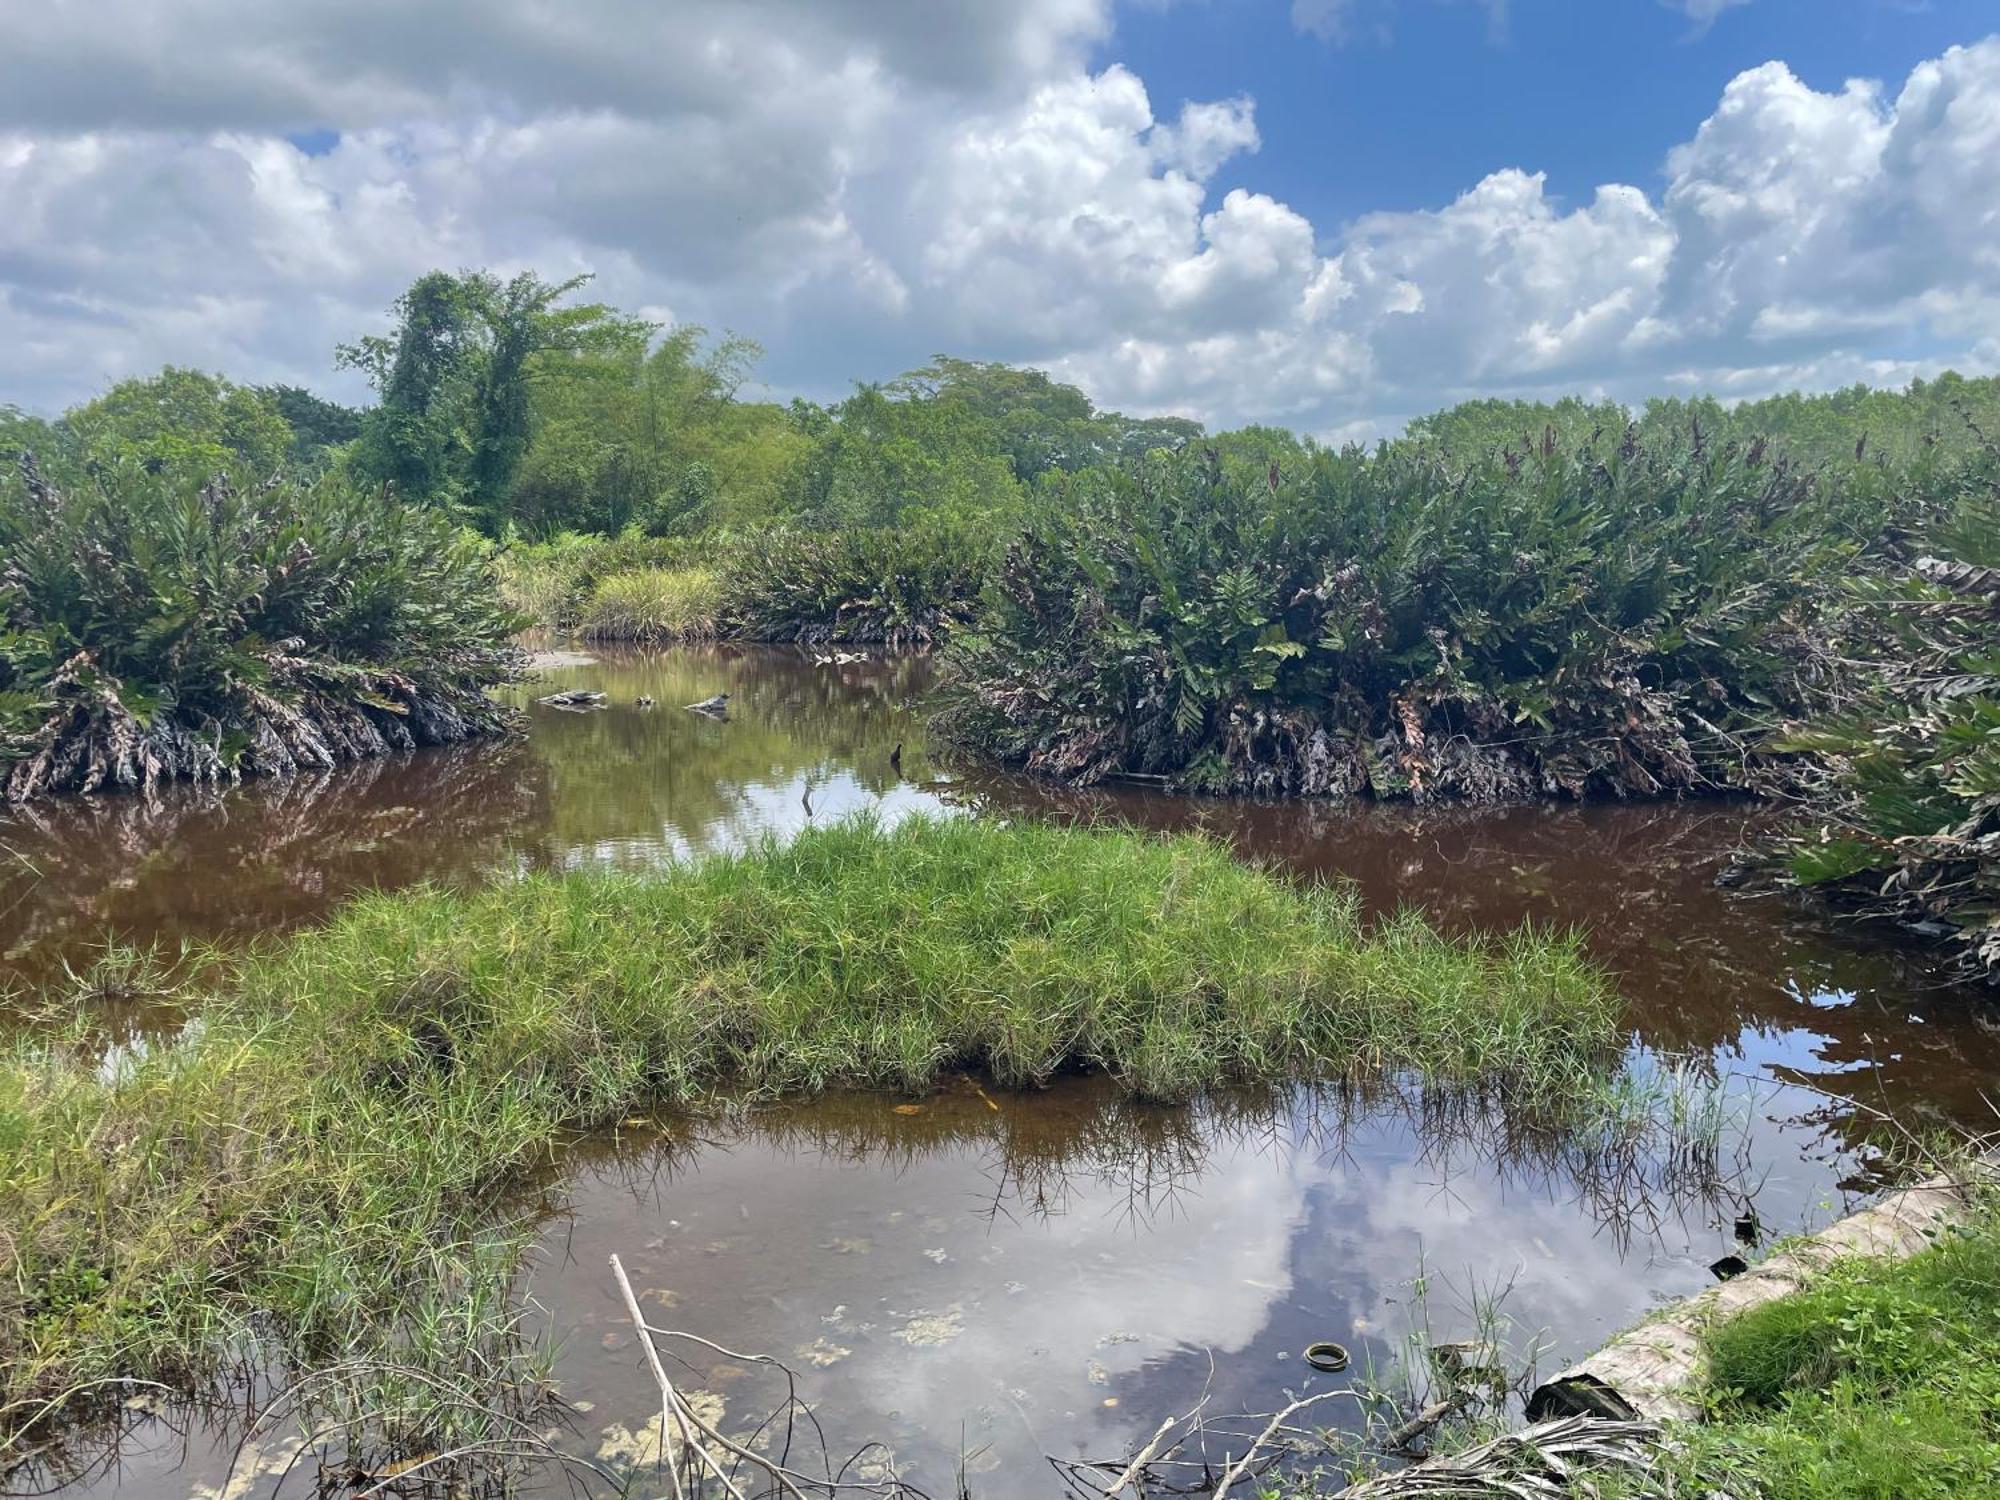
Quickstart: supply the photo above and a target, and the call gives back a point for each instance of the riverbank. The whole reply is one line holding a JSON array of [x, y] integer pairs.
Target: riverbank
[[313, 1160], [1879, 1381]]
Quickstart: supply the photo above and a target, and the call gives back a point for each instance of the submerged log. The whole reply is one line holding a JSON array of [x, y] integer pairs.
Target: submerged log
[[1655, 1371], [574, 698]]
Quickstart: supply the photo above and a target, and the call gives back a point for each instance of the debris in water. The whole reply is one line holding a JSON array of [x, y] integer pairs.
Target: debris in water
[[1096, 1373], [641, 1449], [716, 707], [908, 1109], [929, 1330], [1746, 1227], [855, 1245], [822, 1352], [1729, 1267], [663, 1297], [576, 700]]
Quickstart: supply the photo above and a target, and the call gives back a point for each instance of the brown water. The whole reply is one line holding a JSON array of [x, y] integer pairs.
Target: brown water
[[997, 1277]]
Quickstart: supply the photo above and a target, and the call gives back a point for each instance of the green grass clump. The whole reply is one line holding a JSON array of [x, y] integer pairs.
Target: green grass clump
[[321, 1149], [653, 604], [1880, 1381]]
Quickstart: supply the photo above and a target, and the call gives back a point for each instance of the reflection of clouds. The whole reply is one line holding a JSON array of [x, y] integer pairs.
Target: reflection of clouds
[[757, 809], [1010, 1333], [1030, 1309]]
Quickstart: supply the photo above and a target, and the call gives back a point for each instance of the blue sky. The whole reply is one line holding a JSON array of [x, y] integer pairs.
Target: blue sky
[[1427, 96], [1333, 214]]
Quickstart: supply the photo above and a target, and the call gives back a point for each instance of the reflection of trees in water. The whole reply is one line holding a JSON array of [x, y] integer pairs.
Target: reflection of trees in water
[[1705, 969], [229, 863], [656, 776], [1047, 1151]]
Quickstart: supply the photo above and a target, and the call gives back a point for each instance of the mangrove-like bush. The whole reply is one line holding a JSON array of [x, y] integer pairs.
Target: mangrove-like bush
[[155, 627], [342, 1110], [901, 587], [1610, 618], [1907, 820]]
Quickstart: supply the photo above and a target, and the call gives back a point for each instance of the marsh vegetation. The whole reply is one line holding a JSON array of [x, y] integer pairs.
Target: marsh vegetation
[[313, 1158]]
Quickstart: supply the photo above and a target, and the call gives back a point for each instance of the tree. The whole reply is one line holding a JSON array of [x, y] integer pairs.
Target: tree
[[456, 415], [185, 420], [317, 425]]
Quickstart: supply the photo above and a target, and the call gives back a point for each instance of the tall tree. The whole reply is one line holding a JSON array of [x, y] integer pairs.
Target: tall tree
[[456, 413]]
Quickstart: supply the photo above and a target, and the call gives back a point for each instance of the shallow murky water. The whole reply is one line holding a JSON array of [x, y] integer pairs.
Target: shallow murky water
[[985, 1278]]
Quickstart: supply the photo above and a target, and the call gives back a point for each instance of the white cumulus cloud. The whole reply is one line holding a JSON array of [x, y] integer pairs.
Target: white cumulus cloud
[[860, 185]]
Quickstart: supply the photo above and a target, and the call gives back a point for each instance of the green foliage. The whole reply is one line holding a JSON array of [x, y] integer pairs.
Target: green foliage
[[652, 435], [319, 427], [1853, 429], [181, 420], [1607, 618], [455, 415], [153, 626], [906, 587], [550, 582], [1909, 821], [316, 1155], [653, 604], [1881, 1381]]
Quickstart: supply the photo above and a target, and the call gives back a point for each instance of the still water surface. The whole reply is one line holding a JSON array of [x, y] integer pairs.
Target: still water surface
[[989, 1277]]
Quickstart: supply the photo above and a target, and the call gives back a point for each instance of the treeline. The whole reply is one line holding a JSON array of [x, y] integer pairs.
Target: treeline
[[1512, 599]]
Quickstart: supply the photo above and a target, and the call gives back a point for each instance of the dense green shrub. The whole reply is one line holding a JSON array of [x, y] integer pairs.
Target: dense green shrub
[[153, 626], [906, 587], [1609, 617], [1909, 817]]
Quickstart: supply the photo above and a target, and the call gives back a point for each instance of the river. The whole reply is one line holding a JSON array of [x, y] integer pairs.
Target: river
[[979, 1279]]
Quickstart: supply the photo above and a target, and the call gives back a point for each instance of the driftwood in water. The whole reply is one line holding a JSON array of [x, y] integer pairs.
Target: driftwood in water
[[1654, 1371], [1542, 1462], [716, 707], [574, 699]]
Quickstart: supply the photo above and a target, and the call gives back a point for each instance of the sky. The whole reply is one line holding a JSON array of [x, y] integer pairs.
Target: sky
[[1329, 214]]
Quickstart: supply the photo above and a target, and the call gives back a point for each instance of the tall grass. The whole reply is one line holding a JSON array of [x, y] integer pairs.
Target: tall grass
[[155, 626], [320, 1147], [550, 582], [653, 604]]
